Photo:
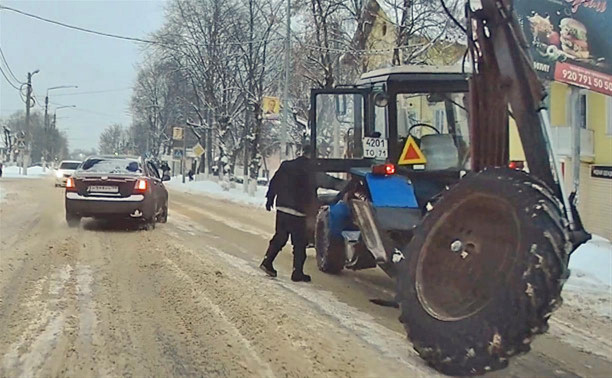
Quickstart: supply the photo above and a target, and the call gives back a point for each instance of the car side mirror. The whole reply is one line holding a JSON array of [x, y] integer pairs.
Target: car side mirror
[[165, 178]]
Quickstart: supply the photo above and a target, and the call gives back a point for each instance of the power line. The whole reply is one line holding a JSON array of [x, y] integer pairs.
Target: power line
[[9, 81], [93, 92], [117, 36], [9, 67], [133, 39], [85, 110]]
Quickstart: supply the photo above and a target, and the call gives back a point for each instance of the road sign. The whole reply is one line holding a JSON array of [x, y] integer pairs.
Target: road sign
[[198, 150], [270, 105], [177, 133], [411, 154], [177, 154]]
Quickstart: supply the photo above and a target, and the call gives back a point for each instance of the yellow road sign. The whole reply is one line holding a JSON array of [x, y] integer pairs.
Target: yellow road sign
[[177, 133], [270, 105], [411, 154], [198, 150]]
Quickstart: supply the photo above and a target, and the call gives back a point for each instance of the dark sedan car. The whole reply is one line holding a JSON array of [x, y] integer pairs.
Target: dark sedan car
[[117, 187]]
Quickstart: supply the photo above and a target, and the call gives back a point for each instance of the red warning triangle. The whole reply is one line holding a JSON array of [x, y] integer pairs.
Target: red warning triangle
[[411, 154]]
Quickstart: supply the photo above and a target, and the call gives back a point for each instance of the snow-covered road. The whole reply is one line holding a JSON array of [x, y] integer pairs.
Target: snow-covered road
[[187, 299]]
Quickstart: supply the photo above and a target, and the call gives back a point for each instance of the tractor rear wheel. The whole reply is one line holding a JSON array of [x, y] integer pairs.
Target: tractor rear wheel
[[484, 272], [330, 249]]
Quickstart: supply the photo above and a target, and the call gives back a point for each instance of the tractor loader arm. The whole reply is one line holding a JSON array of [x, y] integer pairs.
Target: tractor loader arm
[[502, 57]]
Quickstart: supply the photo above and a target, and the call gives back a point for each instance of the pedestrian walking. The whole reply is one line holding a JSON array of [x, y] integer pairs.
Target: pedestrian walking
[[293, 189]]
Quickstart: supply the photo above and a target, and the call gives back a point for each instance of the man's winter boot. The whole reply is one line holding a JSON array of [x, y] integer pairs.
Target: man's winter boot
[[298, 276], [266, 266]]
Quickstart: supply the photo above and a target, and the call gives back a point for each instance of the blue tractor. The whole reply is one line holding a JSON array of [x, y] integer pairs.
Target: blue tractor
[[478, 250]]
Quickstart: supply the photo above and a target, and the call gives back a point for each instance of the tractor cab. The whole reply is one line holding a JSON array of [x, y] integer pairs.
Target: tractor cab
[[411, 117]]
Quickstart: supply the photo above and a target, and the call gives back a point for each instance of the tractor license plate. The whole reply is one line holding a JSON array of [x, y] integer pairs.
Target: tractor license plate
[[103, 189], [375, 148]]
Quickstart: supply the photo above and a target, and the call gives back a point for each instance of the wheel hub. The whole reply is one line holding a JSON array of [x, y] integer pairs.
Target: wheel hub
[[467, 257]]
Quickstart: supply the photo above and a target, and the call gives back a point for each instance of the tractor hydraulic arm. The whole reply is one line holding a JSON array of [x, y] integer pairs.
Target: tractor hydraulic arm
[[504, 75], [503, 62]]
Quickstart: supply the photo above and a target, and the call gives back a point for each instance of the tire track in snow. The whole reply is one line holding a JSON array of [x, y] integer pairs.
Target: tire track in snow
[[265, 369]]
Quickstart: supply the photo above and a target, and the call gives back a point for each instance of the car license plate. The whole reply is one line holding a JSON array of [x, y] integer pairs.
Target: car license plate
[[103, 189]]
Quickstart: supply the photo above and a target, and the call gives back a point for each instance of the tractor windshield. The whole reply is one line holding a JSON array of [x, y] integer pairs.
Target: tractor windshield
[[438, 122]]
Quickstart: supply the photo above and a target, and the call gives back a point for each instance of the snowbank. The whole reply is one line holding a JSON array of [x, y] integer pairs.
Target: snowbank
[[591, 267], [33, 172], [213, 189]]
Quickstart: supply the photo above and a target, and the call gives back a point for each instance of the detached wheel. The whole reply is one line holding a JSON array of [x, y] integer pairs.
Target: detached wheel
[[483, 272], [330, 250], [73, 220]]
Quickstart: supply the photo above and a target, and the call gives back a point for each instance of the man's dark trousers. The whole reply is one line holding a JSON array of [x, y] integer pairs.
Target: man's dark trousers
[[294, 226]]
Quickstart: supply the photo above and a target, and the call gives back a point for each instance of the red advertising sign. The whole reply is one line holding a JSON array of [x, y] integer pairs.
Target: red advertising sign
[[584, 77]]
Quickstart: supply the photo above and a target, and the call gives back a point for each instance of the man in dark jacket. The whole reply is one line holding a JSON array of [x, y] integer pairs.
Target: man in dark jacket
[[294, 188]]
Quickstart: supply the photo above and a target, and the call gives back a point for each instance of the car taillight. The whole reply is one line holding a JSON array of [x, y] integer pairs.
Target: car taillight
[[384, 169], [140, 186], [70, 186]]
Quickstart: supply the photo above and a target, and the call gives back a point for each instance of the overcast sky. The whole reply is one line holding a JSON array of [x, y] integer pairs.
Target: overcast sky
[[70, 57]]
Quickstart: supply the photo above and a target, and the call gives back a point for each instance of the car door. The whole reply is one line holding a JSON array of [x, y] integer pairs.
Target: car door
[[157, 189]]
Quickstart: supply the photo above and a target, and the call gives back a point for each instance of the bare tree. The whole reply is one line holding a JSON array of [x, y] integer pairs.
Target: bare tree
[[155, 105], [259, 54], [114, 140]]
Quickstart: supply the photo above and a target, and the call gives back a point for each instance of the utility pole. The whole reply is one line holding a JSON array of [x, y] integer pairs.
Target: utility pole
[[184, 160], [47, 127], [46, 112], [285, 124], [46, 155], [25, 159], [209, 142]]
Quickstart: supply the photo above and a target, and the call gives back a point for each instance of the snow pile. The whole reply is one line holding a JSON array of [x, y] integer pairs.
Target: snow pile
[[590, 284], [33, 172], [591, 266], [214, 189]]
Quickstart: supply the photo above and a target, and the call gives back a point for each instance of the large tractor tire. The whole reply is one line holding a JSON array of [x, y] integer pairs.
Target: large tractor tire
[[330, 250], [484, 272]]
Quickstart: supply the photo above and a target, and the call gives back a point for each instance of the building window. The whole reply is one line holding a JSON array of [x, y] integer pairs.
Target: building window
[[582, 110]]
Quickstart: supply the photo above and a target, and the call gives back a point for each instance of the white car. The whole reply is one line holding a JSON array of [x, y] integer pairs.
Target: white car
[[65, 170]]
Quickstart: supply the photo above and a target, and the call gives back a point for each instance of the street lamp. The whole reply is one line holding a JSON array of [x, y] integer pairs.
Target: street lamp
[[58, 108], [47, 100], [49, 148]]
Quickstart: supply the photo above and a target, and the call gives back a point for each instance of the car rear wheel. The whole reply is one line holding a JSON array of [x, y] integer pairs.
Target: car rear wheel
[[149, 224], [73, 220], [163, 217]]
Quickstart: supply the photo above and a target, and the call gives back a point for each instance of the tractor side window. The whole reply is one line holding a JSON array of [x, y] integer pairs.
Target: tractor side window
[[380, 123], [339, 126]]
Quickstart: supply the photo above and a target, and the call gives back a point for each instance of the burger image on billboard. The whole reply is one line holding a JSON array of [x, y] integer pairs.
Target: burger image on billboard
[[574, 40]]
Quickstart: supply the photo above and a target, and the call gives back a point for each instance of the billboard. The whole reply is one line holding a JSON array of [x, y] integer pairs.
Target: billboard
[[571, 40]]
